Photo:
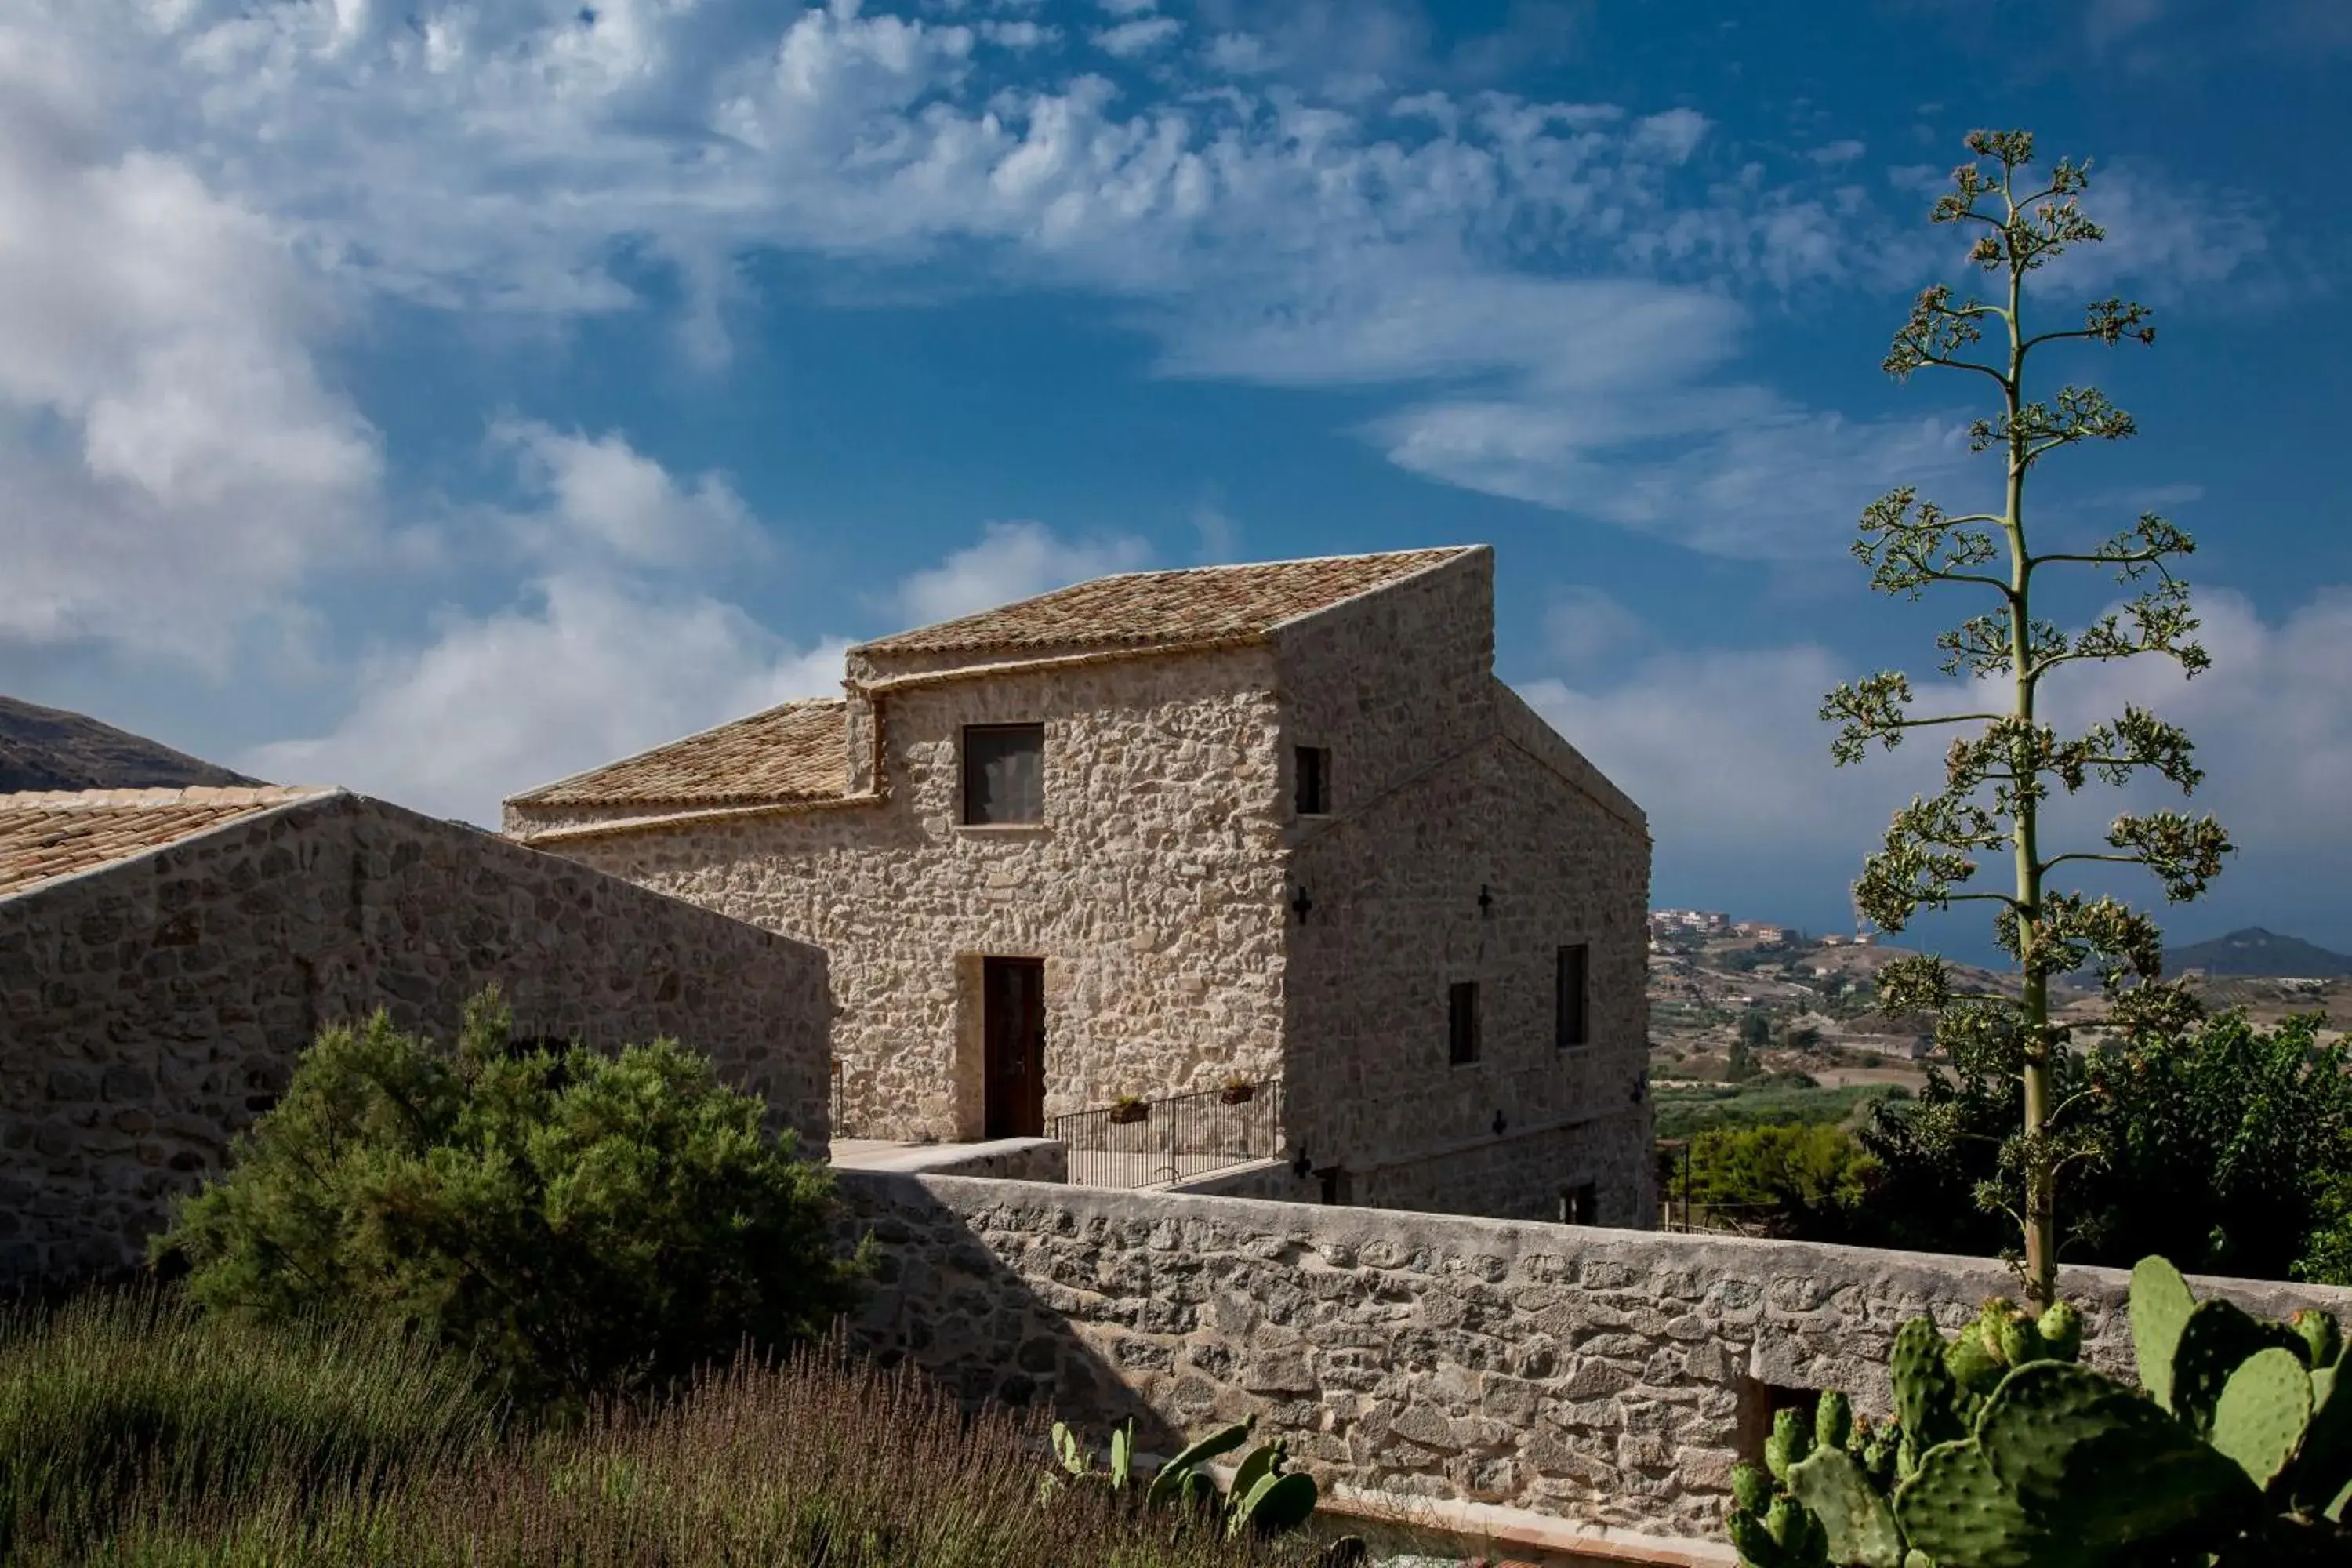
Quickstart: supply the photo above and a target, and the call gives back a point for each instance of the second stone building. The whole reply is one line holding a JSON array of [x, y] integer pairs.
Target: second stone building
[[1264, 852]]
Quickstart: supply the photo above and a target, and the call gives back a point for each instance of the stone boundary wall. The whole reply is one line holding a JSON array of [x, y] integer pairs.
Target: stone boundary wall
[[152, 1007], [1605, 1377]]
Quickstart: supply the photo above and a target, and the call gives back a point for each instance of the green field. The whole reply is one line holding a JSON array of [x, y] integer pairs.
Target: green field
[[1682, 1112]]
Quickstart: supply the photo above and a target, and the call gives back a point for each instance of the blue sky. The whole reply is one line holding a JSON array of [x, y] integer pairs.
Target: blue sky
[[438, 399]]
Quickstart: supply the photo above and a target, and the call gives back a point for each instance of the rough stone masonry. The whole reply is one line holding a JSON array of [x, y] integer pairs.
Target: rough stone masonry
[[1609, 1377], [153, 1002]]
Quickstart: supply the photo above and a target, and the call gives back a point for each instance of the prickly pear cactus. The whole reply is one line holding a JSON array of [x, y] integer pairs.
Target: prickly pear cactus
[[2264, 1408], [2066, 1466]]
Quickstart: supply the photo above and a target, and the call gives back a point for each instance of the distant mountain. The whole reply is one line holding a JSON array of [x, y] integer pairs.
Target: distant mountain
[[49, 748], [2254, 950]]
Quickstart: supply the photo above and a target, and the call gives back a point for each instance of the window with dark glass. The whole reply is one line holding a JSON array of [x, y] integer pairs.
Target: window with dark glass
[[1003, 773], [1570, 1027], [1313, 768], [1462, 1023]]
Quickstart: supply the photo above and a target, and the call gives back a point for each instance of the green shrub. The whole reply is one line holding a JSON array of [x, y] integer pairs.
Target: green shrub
[[1812, 1183], [2223, 1144], [578, 1223]]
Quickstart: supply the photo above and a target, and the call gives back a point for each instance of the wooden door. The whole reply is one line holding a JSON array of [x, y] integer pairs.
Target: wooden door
[[1013, 1013]]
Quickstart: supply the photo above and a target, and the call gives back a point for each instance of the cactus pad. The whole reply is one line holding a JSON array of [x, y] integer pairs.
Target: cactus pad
[[2323, 1340], [1832, 1421], [1956, 1510], [2218, 1338], [2323, 1467], [2160, 1305], [1857, 1525], [1927, 1400], [2259, 1418], [1791, 1440], [2061, 1331]]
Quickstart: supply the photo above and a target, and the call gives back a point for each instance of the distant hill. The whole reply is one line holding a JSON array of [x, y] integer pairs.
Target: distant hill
[[49, 748], [2254, 950]]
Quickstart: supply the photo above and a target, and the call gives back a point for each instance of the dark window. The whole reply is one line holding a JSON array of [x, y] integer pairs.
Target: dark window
[[1004, 772], [1570, 1029], [1314, 781], [1462, 1023], [1577, 1203]]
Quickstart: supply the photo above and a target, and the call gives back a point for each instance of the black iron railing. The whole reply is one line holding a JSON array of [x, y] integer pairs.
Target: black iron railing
[[1147, 1142]]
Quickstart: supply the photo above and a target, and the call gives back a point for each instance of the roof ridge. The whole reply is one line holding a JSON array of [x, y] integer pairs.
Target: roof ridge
[[163, 795], [1150, 607]]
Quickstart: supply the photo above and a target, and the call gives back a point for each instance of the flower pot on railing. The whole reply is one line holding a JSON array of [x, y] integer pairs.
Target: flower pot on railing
[[1237, 1093], [1128, 1111]]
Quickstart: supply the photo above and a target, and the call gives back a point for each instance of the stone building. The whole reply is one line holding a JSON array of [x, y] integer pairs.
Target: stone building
[[166, 954], [1157, 832]]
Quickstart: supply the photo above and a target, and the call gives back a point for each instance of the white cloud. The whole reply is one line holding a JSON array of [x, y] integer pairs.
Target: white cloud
[[1019, 35], [1837, 154], [1011, 561], [1140, 36], [2107, 22], [1127, 7], [584, 671], [586, 665], [1239, 53], [1584, 626], [600, 494], [1724, 749], [1674, 134], [1735, 471], [170, 459]]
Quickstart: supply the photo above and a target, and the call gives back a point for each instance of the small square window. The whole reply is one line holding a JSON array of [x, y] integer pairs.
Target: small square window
[[1462, 1023], [1314, 781], [1570, 1022], [1578, 1203], [1003, 773]]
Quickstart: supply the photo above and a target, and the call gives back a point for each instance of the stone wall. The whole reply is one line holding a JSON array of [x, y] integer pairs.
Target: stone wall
[[1478, 870], [151, 1008], [1153, 890], [1599, 1376]]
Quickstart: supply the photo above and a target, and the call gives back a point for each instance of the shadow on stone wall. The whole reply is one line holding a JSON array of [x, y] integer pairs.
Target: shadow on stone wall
[[944, 1300]]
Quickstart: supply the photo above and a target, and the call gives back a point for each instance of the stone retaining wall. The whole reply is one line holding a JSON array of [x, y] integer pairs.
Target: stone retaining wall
[[151, 1008], [1609, 1377]]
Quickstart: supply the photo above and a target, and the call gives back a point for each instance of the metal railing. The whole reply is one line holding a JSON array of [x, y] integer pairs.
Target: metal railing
[[1171, 1140]]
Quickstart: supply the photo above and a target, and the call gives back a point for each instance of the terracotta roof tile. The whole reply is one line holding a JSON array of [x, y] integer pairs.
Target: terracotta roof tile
[[47, 833], [796, 751], [1162, 609]]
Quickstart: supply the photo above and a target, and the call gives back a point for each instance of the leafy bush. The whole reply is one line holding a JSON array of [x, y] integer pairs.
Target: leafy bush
[[1812, 1183], [2236, 1451], [2221, 1144], [578, 1223]]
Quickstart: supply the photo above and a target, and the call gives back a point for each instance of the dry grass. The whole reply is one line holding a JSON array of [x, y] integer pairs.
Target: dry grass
[[133, 1431]]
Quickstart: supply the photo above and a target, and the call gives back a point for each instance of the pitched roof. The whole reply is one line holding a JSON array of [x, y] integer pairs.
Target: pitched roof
[[797, 752], [48, 834], [1164, 609]]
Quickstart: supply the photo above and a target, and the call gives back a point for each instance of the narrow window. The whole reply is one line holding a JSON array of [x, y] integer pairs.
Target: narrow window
[[1314, 770], [1569, 1014], [1003, 773], [1577, 1203], [1462, 1023]]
